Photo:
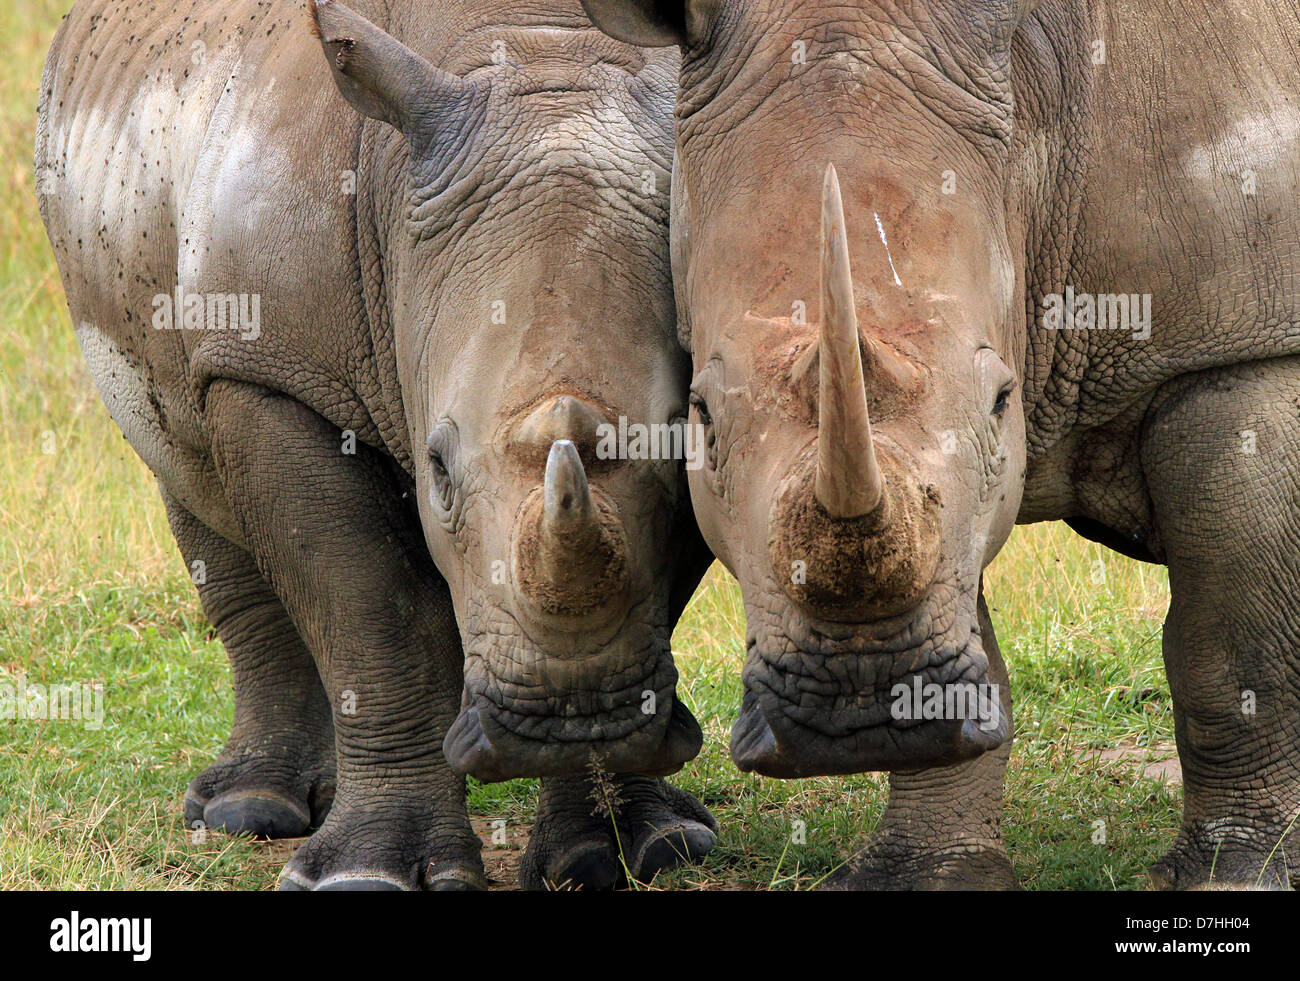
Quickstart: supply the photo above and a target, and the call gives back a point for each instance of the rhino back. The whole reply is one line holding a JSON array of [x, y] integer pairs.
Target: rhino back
[[1166, 173], [200, 144]]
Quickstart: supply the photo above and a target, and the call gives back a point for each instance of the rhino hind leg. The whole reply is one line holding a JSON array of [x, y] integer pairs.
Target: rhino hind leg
[[338, 537], [592, 832], [275, 776], [1221, 452], [942, 827]]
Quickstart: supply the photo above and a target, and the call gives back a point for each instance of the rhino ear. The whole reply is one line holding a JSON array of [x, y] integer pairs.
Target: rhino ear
[[381, 77], [652, 23]]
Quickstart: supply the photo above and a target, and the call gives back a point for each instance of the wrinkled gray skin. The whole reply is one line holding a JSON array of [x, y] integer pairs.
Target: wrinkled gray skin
[[205, 142], [1170, 169]]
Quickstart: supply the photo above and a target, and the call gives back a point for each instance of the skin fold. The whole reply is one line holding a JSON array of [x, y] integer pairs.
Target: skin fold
[[386, 481], [876, 208]]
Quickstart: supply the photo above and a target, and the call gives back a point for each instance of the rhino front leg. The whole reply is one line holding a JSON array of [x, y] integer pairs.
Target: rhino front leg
[[1222, 456], [594, 831], [275, 776], [942, 828], [345, 554]]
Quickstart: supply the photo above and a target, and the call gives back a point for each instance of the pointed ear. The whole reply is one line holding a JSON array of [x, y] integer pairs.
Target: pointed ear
[[649, 23], [381, 77]]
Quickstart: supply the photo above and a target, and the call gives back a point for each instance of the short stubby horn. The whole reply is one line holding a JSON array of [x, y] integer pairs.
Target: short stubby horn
[[570, 554], [568, 514], [849, 481]]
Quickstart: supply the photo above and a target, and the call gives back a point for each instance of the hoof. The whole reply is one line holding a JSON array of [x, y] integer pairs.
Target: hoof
[[342, 883], [448, 882], [260, 813], [250, 796], [385, 850], [886, 867], [1197, 862], [655, 827], [591, 866], [360, 883], [454, 885], [454, 877], [668, 848]]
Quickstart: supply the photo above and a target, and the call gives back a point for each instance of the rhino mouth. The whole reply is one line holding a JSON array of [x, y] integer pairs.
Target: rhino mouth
[[908, 693], [527, 712]]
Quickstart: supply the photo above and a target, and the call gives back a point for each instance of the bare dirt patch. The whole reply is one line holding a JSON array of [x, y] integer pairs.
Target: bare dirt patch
[[501, 862], [1156, 762]]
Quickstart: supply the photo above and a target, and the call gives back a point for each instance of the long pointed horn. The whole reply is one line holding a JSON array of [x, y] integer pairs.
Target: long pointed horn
[[849, 482]]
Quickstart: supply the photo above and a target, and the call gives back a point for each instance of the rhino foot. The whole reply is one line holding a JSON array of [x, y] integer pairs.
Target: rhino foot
[[593, 833], [1203, 859], [264, 794], [374, 847], [892, 864]]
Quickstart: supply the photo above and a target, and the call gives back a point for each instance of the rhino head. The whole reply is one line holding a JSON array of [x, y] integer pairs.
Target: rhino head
[[524, 264], [845, 257]]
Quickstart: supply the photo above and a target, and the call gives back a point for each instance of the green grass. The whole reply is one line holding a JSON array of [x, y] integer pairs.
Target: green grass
[[92, 590]]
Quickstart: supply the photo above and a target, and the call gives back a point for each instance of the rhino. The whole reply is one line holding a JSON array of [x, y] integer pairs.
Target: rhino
[[945, 266], [368, 334]]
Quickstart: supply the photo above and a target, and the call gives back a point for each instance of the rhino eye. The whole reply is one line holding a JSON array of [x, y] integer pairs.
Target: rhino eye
[[994, 375], [702, 409], [706, 420], [1004, 398], [442, 491], [439, 467]]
